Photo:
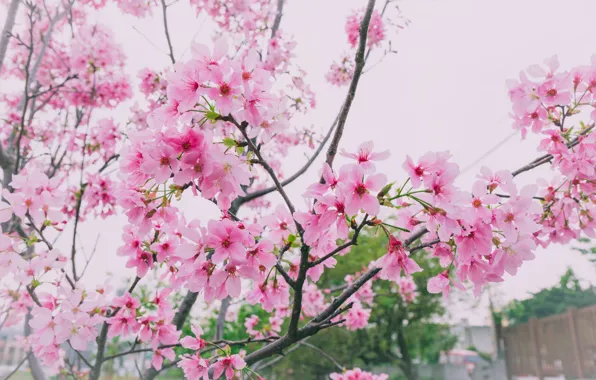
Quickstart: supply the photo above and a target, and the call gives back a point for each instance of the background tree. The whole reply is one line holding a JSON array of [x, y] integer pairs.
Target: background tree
[[568, 293]]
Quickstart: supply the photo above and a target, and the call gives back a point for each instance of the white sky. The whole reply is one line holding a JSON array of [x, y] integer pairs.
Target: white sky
[[444, 90]]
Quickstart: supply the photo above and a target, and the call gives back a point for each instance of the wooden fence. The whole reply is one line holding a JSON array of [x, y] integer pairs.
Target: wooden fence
[[563, 344]]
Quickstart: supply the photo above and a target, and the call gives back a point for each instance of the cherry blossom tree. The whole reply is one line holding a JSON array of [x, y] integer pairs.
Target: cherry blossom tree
[[216, 127]]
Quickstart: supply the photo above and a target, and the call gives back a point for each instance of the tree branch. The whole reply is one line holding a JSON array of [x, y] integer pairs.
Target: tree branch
[[322, 352], [7, 29], [352, 241], [315, 325], [265, 165], [164, 8], [293, 177], [221, 318], [548, 157], [360, 61], [18, 365], [278, 15]]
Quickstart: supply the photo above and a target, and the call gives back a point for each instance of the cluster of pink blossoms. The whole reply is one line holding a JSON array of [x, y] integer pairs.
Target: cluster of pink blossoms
[[376, 29], [547, 104], [341, 73], [357, 374], [197, 367]]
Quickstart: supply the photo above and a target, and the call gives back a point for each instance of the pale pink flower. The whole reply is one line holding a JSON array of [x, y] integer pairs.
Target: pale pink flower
[[366, 156]]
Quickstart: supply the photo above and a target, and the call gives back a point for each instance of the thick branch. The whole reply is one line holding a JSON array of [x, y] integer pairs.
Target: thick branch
[[278, 15], [7, 29], [34, 365], [293, 332], [221, 318], [315, 325]]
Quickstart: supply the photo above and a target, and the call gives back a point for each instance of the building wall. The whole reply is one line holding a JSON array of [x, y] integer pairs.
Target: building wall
[[481, 337]]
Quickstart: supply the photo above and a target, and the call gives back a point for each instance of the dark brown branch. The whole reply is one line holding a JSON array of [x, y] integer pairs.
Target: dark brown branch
[[548, 157], [164, 9], [265, 165], [293, 177], [103, 337], [359, 59], [352, 241], [285, 275], [423, 245], [343, 297], [314, 326]]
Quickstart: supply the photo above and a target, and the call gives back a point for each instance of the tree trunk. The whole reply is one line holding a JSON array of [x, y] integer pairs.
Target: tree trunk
[[36, 370], [8, 25], [406, 360]]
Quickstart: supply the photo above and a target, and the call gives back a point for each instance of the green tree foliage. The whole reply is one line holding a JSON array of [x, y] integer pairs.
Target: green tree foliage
[[551, 301]]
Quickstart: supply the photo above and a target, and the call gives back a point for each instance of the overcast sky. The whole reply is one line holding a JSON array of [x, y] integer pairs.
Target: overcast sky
[[444, 90]]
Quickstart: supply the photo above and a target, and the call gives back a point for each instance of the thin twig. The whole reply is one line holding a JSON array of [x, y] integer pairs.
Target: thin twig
[[322, 352], [164, 8], [548, 157], [352, 241], [80, 355], [18, 366], [259, 193]]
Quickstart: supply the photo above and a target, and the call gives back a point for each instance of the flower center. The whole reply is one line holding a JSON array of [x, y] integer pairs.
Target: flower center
[[224, 89], [361, 189]]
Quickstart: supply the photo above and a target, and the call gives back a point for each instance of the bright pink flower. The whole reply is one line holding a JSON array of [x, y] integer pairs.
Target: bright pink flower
[[357, 317], [122, 325], [194, 367], [127, 303], [395, 261], [228, 365], [357, 374], [227, 240], [358, 191], [185, 84], [479, 203], [475, 241]]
